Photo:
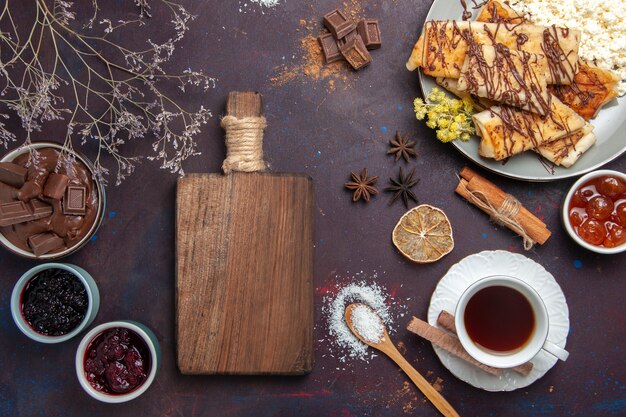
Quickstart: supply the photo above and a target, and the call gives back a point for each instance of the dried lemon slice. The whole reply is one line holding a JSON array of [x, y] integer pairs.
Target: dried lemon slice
[[423, 234]]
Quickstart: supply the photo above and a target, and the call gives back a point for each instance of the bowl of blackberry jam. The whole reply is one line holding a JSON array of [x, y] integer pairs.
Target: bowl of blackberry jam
[[53, 302], [117, 361]]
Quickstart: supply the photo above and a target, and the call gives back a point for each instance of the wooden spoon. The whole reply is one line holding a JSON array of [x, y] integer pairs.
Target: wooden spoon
[[387, 347]]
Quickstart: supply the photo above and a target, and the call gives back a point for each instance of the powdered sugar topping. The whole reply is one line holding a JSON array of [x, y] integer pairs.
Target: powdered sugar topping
[[367, 324]]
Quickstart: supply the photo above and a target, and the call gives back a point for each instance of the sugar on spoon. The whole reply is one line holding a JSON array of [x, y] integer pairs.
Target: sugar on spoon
[[367, 326]]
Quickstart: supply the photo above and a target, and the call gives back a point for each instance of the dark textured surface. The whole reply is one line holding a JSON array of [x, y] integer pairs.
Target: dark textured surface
[[324, 133]]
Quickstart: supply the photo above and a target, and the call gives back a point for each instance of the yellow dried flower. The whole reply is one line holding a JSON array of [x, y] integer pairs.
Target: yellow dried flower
[[452, 118]]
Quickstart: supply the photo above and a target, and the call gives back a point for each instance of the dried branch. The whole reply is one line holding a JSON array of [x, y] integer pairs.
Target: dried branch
[[114, 97]]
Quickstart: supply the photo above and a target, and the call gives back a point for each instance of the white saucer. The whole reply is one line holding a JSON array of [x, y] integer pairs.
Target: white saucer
[[483, 264]]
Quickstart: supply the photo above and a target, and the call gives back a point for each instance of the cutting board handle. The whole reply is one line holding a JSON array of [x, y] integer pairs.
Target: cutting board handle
[[244, 124]]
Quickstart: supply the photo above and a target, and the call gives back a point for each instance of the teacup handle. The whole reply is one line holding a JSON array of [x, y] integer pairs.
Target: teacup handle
[[556, 351]]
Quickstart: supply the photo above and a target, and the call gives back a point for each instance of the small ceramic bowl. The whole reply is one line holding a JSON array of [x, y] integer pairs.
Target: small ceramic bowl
[[98, 188], [565, 211], [93, 297], [148, 338]]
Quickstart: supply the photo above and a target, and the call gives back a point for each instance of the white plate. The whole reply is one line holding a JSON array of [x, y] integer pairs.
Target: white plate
[[610, 129], [483, 264]]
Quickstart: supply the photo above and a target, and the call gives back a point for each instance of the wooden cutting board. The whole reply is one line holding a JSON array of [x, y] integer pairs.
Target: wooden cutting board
[[244, 272]]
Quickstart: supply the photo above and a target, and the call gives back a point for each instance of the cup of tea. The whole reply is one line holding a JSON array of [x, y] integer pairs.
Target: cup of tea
[[502, 322]]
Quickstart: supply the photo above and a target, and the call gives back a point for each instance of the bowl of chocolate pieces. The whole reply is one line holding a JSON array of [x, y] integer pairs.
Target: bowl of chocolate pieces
[[51, 203]]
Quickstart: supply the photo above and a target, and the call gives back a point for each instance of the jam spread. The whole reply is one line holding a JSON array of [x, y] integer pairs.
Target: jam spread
[[54, 302], [597, 211], [117, 361]]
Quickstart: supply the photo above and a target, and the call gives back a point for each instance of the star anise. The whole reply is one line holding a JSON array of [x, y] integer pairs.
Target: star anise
[[362, 185], [402, 187], [402, 147]]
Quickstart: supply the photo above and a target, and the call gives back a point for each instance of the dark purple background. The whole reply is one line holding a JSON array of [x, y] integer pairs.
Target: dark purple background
[[326, 134]]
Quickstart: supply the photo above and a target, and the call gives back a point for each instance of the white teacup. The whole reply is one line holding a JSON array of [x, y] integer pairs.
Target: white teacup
[[535, 342]]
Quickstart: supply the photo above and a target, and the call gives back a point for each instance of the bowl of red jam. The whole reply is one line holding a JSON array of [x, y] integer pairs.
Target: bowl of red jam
[[594, 211], [53, 302], [117, 361]]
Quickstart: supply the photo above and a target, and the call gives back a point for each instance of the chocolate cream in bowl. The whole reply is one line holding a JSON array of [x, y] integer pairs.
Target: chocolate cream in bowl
[[71, 228]]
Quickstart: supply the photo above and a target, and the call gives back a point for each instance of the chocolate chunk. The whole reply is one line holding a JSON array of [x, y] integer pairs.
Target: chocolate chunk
[[29, 190], [17, 212], [338, 24], [330, 48], [39, 209], [369, 30], [12, 174], [74, 201], [7, 193], [356, 53], [55, 186], [13, 213], [343, 41], [44, 243]]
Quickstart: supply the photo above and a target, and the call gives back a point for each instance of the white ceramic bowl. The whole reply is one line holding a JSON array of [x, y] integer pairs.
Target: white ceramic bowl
[[93, 297], [155, 359], [99, 188], [565, 215]]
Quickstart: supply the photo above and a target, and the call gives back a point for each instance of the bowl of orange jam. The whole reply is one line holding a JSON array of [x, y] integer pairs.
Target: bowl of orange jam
[[594, 211]]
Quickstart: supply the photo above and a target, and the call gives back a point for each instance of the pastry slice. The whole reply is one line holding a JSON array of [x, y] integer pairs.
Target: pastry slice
[[495, 11], [451, 84], [516, 78], [506, 131], [568, 149], [440, 50], [591, 88]]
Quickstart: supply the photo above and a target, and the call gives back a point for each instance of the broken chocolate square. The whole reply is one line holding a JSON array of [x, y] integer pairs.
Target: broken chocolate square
[[369, 30], [13, 213], [40, 209], [338, 24], [12, 174], [44, 243], [74, 201], [16, 212], [330, 48], [343, 41], [55, 186], [356, 53]]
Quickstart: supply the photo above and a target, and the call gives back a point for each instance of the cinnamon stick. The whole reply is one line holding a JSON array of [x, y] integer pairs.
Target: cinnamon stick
[[472, 182], [447, 342], [446, 320]]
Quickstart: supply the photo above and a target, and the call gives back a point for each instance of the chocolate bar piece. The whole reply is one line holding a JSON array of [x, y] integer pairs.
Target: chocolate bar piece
[[39, 209], [74, 200], [343, 41], [12, 174], [369, 30], [338, 24], [19, 212], [44, 243], [55, 186], [13, 213], [356, 53], [330, 48]]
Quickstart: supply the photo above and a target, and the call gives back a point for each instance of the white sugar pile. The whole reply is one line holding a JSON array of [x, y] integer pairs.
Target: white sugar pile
[[367, 324], [266, 3], [342, 344]]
